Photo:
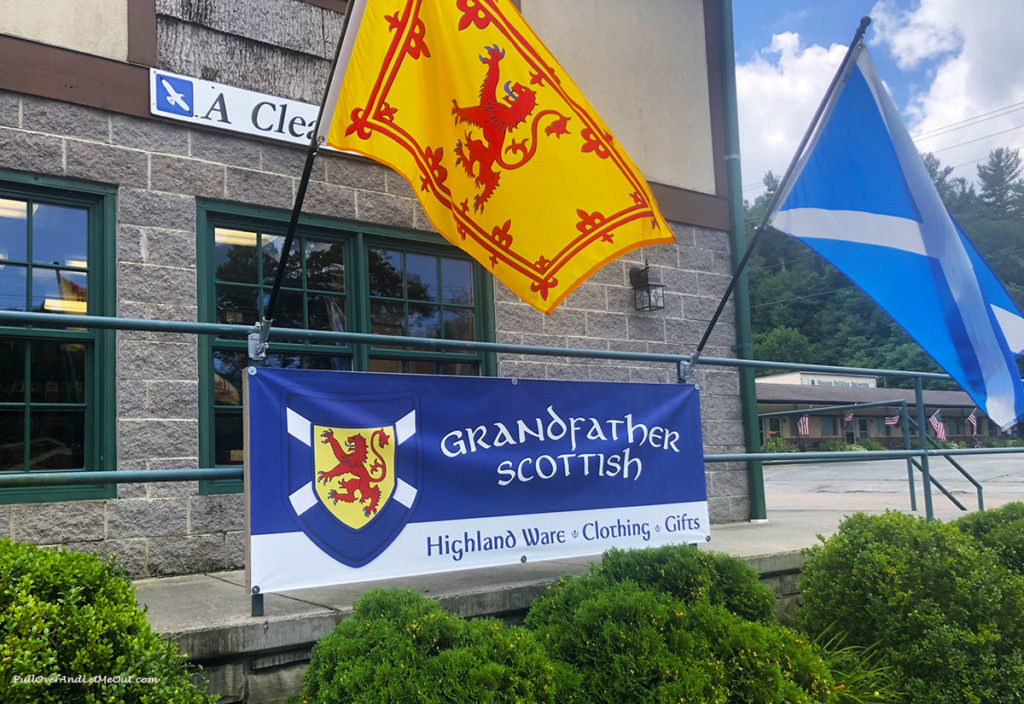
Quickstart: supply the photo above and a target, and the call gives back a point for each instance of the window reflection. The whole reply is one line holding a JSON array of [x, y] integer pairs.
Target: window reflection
[[457, 278], [13, 286], [424, 320], [385, 272], [236, 305], [60, 234], [13, 230], [273, 246], [57, 372], [57, 439], [325, 266], [12, 439], [326, 312], [235, 255], [421, 277]]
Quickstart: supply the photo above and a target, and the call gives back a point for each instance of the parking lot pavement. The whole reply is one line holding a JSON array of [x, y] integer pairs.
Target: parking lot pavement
[[840, 488]]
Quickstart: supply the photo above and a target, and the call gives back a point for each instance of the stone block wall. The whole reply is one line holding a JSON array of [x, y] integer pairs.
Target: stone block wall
[[160, 169]]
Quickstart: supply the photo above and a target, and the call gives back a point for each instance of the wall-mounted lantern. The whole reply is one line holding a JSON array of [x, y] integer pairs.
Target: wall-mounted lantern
[[647, 295]]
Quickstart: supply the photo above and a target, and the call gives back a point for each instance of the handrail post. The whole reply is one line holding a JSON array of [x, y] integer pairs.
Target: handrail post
[[922, 436], [910, 462]]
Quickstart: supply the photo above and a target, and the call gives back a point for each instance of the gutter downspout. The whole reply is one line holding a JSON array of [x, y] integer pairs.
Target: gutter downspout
[[738, 240]]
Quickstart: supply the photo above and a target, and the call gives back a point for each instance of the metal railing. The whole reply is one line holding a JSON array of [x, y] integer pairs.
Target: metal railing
[[49, 320]]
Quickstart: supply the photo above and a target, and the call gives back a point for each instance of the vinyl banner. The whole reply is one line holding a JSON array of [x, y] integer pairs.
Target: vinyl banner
[[357, 476]]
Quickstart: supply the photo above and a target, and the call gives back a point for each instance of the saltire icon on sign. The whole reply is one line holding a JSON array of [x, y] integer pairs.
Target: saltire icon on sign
[[352, 475]]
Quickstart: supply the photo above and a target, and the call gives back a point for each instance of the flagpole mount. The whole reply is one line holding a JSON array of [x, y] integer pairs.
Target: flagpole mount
[[258, 344]]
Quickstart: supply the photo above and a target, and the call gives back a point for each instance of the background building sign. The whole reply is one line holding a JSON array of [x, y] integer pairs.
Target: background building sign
[[354, 476], [225, 107]]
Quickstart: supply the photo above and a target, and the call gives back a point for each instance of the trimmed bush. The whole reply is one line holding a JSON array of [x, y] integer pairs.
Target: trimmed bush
[[777, 444], [637, 645], [70, 615], [944, 614], [871, 445], [1000, 529], [693, 575], [402, 647]]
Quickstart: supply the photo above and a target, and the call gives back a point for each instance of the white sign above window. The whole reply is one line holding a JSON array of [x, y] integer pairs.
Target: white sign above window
[[224, 107]]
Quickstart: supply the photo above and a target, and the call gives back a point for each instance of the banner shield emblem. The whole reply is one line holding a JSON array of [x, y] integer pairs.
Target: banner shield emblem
[[354, 471], [353, 477]]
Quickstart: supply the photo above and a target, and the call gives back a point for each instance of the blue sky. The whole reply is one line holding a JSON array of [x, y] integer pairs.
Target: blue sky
[[954, 68]]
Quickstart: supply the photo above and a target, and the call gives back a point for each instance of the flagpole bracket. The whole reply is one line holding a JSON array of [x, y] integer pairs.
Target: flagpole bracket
[[258, 344], [686, 370]]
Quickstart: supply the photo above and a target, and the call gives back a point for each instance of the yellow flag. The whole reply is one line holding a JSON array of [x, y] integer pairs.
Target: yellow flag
[[508, 159]]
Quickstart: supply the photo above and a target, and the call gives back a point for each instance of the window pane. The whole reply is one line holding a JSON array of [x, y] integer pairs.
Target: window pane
[[421, 277], [12, 439], [56, 291], [235, 254], [390, 366], [60, 235], [385, 272], [421, 366], [13, 230], [326, 312], [273, 246], [325, 266], [424, 320], [228, 367], [236, 305], [57, 372], [12, 370], [457, 279], [228, 437], [458, 324], [57, 439], [457, 368], [387, 318], [13, 287], [287, 308]]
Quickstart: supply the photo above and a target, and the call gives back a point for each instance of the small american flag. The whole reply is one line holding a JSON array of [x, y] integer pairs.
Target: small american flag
[[803, 426], [973, 420], [938, 426], [848, 418], [892, 420]]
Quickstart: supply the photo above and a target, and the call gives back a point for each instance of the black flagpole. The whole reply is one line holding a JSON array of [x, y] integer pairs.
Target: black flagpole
[[258, 340], [686, 368]]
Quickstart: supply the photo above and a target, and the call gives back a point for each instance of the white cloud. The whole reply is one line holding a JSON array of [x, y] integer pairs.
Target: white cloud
[[969, 57], [977, 55], [777, 94], [914, 36]]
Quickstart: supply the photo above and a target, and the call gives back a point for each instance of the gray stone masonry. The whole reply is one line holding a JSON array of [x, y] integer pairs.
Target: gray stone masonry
[[160, 169]]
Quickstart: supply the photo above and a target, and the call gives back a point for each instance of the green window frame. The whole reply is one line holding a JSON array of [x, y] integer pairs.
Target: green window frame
[[341, 275], [57, 399]]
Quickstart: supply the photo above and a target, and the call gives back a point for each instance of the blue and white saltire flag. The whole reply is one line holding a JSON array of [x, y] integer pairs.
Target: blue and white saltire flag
[[862, 198]]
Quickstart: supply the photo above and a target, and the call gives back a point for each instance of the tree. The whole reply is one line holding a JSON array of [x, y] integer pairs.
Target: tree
[[1000, 180]]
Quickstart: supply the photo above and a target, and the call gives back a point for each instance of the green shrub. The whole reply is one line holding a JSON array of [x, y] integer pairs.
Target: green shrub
[[861, 672], [871, 445], [777, 444], [637, 645], [691, 575], [70, 615], [1000, 529], [834, 446], [402, 647], [944, 613]]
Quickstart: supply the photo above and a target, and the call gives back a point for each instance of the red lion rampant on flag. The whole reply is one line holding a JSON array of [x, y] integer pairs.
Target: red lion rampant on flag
[[354, 463], [496, 119]]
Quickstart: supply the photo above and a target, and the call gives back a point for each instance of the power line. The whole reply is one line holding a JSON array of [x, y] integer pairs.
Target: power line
[[967, 122], [801, 298]]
